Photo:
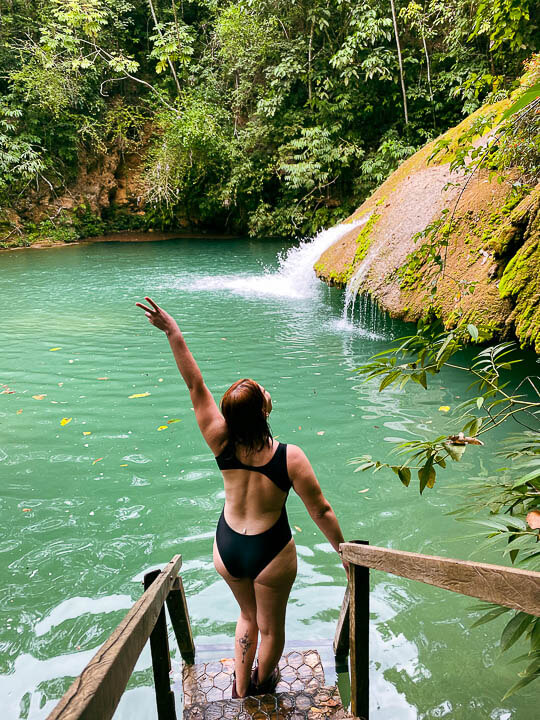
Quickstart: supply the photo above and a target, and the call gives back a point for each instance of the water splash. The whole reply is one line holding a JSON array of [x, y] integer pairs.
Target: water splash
[[294, 277]]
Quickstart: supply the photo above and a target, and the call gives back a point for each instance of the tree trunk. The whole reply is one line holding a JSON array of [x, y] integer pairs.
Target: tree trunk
[[392, 5], [154, 17], [428, 67]]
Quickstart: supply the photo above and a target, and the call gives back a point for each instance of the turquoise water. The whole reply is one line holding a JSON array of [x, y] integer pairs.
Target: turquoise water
[[88, 506]]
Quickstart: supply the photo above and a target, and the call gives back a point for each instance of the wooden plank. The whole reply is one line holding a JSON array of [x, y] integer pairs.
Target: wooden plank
[[178, 612], [511, 587], [98, 689], [161, 660], [359, 639]]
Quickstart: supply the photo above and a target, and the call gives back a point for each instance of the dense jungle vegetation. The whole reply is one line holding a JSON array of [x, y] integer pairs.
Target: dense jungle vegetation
[[267, 117]]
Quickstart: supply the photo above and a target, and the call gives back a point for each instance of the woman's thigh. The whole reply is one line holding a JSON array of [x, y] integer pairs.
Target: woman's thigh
[[242, 588], [272, 588]]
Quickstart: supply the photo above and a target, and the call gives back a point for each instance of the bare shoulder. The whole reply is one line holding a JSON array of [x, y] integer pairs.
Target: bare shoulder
[[297, 461]]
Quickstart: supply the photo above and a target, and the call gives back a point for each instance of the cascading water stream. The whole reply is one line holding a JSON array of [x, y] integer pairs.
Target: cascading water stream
[[369, 315]]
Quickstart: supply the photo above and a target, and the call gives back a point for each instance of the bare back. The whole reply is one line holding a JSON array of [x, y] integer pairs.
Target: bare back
[[253, 502]]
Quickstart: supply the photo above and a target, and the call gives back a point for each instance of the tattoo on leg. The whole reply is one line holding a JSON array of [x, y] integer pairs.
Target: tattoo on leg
[[245, 644]]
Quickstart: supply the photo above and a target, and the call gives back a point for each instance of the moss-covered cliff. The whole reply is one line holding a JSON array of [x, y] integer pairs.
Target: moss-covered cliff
[[487, 225]]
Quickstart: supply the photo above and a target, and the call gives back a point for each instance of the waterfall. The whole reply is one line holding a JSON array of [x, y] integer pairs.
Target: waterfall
[[370, 317], [294, 276]]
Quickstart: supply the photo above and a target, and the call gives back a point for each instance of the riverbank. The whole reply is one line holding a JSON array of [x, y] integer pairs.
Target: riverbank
[[121, 237]]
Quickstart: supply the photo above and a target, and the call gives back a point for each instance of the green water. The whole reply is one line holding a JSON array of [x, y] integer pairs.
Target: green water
[[83, 517]]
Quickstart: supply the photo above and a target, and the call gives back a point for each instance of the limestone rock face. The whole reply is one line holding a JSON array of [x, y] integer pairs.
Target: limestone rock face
[[108, 178], [491, 259]]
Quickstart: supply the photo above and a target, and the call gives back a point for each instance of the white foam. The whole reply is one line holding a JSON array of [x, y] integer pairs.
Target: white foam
[[294, 278], [344, 325]]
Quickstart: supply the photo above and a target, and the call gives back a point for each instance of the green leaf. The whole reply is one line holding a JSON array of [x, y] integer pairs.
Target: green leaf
[[404, 475], [427, 475], [515, 629], [475, 426], [522, 683], [364, 466], [522, 102], [455, 451], [473, 331], [389, 379], [535, 635], [489, 616]]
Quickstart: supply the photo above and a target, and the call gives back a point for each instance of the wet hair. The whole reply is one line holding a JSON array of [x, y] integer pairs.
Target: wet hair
[[243, 407]]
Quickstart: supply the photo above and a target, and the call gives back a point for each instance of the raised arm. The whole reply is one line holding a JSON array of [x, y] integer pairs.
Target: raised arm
[[210, 420], [307, 487]]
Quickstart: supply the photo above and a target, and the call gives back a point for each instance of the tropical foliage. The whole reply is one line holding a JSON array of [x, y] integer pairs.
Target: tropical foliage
[[272, 117], [512, 496]]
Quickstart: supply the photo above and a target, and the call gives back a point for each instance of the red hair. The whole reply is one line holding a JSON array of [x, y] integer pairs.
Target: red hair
[[244, 409]]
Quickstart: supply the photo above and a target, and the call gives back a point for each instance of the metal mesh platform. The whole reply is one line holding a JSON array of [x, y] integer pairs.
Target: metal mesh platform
[[300, 693]]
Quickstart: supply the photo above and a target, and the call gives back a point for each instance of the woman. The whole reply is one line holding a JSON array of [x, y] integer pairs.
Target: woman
[[253, 551]]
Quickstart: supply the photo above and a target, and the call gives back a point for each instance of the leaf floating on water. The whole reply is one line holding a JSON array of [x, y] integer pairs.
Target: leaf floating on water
[[138, 395], [65, 421], [124, 465], [27, 509], [87, 432], [97, 460], [444, 408], [104, 378], [299, 427], [54, 349], [39, 397], [163, 427], [297, 528], [173, 420], [19, 412], [321, 432]]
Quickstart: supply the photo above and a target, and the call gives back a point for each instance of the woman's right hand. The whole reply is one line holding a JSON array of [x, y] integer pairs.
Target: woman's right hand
[[159, 318]]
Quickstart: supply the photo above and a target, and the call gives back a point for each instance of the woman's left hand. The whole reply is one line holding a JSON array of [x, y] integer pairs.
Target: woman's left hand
[[158, 317]]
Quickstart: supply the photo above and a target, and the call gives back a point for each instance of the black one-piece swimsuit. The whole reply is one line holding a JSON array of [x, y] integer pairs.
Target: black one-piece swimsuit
[[245, 556]]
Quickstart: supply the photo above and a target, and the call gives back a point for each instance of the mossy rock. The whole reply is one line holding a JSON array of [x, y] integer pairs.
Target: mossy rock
[[492, 261], [521, 277]]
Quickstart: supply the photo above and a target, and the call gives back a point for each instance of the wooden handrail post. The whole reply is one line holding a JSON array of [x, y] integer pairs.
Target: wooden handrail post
[[341, 638], [178, 612], [96, 692], [161, 660], [359, 638]]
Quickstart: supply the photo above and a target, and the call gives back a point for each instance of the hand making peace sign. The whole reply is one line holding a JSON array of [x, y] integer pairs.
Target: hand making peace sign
[[158, 317]]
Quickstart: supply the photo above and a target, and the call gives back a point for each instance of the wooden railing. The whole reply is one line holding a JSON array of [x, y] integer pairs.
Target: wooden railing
[[513, 588], [95, 694]]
